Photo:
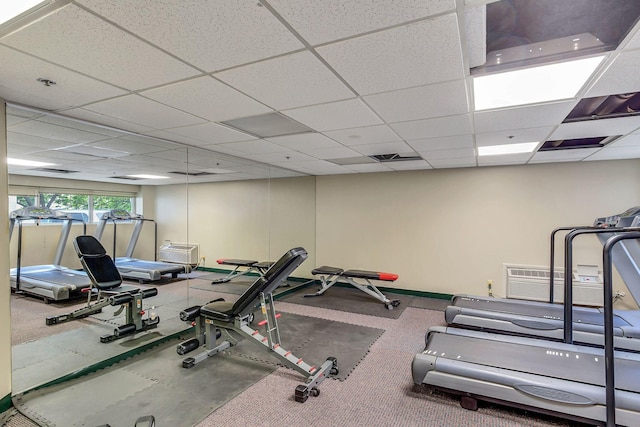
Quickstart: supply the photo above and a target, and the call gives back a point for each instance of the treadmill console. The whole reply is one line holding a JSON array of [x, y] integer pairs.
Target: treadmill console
[[35, 212]]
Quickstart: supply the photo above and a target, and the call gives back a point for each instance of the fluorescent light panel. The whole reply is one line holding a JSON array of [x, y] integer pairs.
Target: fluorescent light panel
[[22, 162], [494, 150], [11, 9], [533, 85]]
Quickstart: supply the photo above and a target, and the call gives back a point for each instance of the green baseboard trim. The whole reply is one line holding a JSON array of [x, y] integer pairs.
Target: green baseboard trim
[[5, 403], [109, 362]]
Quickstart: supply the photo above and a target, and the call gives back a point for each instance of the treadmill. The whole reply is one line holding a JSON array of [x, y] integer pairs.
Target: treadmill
[[546, 320], [52, 282], [132, 268], [578, 382]]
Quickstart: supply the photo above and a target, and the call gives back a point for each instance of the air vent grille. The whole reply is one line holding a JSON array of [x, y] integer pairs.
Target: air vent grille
[[572, 144], [395, 157]]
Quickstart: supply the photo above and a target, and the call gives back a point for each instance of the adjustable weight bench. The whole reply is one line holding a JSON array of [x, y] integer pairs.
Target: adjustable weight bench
[[331, 275], [219, 316], [106, 286], [248, 266]]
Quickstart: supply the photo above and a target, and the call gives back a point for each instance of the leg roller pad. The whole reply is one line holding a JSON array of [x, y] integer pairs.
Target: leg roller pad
[[187, 346]]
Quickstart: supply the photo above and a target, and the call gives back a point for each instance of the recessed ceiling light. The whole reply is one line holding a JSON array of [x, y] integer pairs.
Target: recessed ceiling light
[[22, 162], [145, 176], [11, 9], [494, 150], [533, 85]]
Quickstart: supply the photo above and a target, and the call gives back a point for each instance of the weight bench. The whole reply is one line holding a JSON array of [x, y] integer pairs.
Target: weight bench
[[106, 286], [218, 316], [247, 266], [331, 275]]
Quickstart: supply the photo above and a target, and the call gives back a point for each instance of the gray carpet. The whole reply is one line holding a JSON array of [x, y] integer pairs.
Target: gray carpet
[[155, 383], [351, 300]]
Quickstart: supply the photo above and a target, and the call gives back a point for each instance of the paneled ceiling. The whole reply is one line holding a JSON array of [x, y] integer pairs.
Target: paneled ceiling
[[364, 77]]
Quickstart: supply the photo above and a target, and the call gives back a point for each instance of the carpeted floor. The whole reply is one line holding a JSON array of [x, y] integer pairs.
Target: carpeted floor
[[378, 392]]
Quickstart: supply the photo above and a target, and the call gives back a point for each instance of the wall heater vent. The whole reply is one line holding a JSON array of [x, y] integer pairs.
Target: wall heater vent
[[532, 283], [180, 253]]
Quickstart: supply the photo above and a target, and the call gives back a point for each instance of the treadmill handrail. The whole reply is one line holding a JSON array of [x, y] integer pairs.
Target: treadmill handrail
[[553, 255], [568, 269], [607, 266]]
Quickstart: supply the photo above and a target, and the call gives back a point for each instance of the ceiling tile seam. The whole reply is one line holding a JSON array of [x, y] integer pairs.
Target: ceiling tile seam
[[462, 32], [114, 24], [603, 67]]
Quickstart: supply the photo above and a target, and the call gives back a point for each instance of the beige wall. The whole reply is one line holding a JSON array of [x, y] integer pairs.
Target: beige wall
[[449, 231], [257, 219], [5, 293]]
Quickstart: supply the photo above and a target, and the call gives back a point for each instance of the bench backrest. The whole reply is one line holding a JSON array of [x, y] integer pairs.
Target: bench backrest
[[96, 263], [269, 281]]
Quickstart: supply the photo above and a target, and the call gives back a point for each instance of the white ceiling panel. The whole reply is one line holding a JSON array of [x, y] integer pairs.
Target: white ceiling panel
[[572, 155], [340, 152], [258, 146], [280, 158], [34, 141], [90, 116], [617, 78], [504, 159], [363, 135], [399, 57], [70, 89], [615, 153], [126, 146], [323, 21], [398, 147], [207, 98], [56, 132], [441, 143], [432, 128], [93, 151], [369, 167], [417, 103], [632, 140], [304, 141], [531, 116], [211, 35], [144, 111], [514, 136], [454, 153], [600, 127], [83, 42], [290, 81], [210, 133], [335, 115], [406, 165]]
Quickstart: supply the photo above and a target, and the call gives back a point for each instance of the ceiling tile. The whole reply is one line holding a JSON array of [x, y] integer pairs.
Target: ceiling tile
[[399, 147], [562, 155], [431, 128], [504, 159], [339, 152], [600, 127], [323, 21], [144, 111], [363, 135], [617, 78], [632, 140], [290, 81], [83, 42], [70, 89], [258, 146], [304, 141], [207, 98], [399, 57], [369, 167], [454, 153], [123, 145], [453, 163], [615, 153], [280, 158], [33, 141], [530, 116], [56, 132], [514, 136], [90, 116], [211, 35], [408, 165], [441, 143], [418, 102], [210, 133], [335, 115]]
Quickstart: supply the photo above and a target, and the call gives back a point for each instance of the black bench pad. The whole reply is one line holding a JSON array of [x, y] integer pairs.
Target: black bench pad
[[327, 270]]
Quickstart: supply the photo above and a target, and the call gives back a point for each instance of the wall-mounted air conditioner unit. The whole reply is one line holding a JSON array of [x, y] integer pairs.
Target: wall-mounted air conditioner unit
[[180, 253]]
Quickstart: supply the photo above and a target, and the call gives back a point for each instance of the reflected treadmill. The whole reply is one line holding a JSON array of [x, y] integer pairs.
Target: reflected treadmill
[[52, 281], [132, 268], [546, 320]]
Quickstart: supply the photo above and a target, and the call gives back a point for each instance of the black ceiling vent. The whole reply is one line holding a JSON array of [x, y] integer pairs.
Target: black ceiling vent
[[605, 107], [53, 170], [572, 144], [384, 158], [193, 173]]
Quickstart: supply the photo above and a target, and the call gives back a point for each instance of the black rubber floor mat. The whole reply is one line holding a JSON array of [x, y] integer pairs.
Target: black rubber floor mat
[[351, 300], [155, 382], [430, 303]]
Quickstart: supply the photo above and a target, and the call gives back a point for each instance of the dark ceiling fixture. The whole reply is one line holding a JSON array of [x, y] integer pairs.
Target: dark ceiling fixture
[[46, 82], [605, 107], [572, 144]]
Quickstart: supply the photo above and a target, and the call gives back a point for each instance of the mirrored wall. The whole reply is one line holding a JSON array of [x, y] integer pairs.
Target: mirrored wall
[[203, 205]]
